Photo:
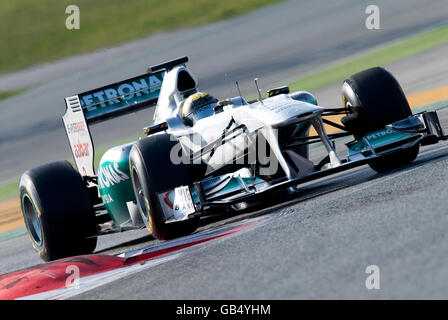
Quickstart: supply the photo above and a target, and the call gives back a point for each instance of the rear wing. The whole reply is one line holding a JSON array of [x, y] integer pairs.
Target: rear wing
[[108, 102], [122, 97]]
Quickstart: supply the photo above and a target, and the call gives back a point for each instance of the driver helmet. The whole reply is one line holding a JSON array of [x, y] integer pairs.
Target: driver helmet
[[197, 106]]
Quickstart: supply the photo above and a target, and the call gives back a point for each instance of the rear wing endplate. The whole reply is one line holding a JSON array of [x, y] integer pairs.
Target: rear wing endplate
[[127, 96], [79, 137], [104, 103]]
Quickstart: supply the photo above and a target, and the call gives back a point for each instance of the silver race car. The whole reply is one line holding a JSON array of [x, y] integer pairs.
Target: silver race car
[[205, 155]]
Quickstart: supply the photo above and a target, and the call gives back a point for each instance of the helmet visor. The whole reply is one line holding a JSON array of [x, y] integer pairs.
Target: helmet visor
[[202, 107]]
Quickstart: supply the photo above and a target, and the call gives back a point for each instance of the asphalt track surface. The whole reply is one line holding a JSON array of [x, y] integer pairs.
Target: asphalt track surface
[[320, 248], [274, 44], [316, 244]]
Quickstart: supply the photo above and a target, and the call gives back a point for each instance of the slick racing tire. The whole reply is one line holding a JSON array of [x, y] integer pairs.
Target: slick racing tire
[[57, 212], [376, 99], [153, 172]]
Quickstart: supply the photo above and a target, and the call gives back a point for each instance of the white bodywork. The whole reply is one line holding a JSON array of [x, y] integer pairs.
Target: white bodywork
[[79, 136], [170, 98], [263, 117]]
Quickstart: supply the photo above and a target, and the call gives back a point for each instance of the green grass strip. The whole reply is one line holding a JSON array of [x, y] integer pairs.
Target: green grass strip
[[386, 55], [12, 234], [34, 31], [9, 189], [9, 94], [432, 107]]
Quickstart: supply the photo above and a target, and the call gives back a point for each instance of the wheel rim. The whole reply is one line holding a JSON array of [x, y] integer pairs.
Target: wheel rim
[[139, 194], [32, 220]]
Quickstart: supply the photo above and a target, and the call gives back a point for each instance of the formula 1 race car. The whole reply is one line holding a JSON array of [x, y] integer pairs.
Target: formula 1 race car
[[204, 155]]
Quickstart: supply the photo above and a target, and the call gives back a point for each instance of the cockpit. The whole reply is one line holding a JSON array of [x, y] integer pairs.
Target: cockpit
[[197, 106], [179, 97]]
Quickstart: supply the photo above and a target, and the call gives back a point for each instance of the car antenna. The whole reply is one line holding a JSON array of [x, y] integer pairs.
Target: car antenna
[[239, 92], [260, 98]]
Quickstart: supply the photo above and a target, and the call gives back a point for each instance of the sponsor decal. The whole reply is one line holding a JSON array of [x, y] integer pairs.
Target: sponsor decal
[[79, 136], [76, 127], [107, 199], [168, 199], [122, 94], [177, 203], [125, 91], [81, 150], [110, 174], [379, 134], [183, 203]]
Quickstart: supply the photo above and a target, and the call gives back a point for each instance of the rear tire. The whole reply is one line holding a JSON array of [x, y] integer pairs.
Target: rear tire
[[57, 212], [376, 99], [153, 172]]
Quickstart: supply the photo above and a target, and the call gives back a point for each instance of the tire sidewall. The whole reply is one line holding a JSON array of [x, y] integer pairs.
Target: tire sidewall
[[63, 208], [157, 174], [153, 218], [377, 99], [28, 189]]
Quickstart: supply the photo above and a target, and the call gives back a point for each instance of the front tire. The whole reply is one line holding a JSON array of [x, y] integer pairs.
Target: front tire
[[57, 212], [376, 99], [153, 172]]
